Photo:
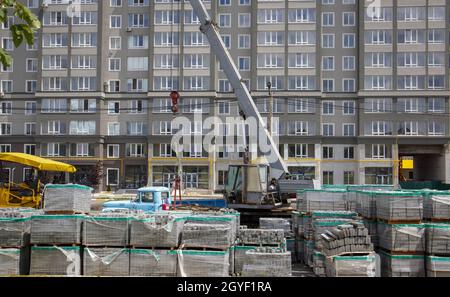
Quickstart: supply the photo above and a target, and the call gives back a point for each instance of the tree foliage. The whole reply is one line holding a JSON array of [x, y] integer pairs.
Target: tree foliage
[[23, 31]]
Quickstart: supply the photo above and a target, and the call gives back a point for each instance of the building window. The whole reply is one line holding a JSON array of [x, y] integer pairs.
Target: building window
[[112, 177], [328, 178], [327, 152], [222, 177], [349, 152], [349, 177], [113, 151]]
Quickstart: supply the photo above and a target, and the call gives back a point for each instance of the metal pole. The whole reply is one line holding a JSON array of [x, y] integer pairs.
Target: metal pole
[[269, 119]]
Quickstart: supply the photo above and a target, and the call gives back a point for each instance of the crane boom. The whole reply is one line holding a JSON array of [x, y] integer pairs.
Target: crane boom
[[246, 103]]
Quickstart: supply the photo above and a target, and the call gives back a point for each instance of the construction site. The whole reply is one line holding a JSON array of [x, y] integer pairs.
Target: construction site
[[289, 195]]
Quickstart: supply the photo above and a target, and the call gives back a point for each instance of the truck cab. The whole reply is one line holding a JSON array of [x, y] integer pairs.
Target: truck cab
[[147, 199]]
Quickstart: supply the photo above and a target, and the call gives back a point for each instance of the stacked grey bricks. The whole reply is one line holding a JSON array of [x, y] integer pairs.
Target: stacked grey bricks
[[436, 205], [366, 204], [276, 223], [106, 261], [316, 200], [53, 260], [399, 206], [352, 266], [346, 239], [438, 239], [106, 230], [402, 237], [267, 262], [402, 265], [156, 231], [203, 263], [56, 229], [216, 236], [319, 265], [67, 198], [437, 266], [153, 262]]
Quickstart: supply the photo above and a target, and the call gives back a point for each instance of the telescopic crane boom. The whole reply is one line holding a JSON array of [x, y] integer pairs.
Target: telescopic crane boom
[[246, 103]]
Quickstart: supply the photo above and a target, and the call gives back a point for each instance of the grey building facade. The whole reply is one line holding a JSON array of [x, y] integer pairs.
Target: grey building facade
[[357, 89]]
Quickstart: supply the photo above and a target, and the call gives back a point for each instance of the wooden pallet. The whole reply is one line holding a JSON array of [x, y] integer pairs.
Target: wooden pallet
[[437, 220]]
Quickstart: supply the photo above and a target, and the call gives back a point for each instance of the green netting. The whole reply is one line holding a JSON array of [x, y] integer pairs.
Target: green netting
[[210, 253], [69, 187], [46, 248], [352, 258], [437, 259]]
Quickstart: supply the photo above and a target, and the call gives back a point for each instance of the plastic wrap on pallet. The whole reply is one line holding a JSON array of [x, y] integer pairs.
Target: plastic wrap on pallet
[[106, 262], [239, 257], [317, 200], [319, 267], [437, 239], [366, 204], [14, 232], [402, 237], [276, 223], [261, 236], [399, 206], [162, 231], [345, 239], [106, 229], [10, 262], [207, 235], [70, 197], [224, 212], [351, 266], [56, 229], [437, 266], [217, 218], [436, 205], [267, 262], [203, 263], [371, 225], [402, 265], [62, 261], [153, 263]]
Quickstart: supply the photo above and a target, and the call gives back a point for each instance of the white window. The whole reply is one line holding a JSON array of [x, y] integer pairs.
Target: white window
[[112, 176], [113, 151]]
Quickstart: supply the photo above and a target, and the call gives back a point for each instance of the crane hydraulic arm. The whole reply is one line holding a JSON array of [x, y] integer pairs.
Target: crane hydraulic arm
[[246, 103]]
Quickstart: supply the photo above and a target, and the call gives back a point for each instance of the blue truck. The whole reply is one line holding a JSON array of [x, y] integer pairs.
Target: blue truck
[[152, 199]]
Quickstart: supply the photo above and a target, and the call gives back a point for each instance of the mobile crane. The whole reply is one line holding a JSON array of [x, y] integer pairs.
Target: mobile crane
[[249, 187]]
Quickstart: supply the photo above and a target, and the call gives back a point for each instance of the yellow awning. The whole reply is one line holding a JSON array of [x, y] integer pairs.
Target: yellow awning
[[37, 162]]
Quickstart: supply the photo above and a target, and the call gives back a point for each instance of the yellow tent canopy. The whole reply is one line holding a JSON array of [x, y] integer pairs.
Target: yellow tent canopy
[[37, 162]]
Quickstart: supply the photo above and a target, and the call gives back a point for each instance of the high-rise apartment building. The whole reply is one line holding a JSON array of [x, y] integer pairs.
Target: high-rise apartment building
[[356, 88]]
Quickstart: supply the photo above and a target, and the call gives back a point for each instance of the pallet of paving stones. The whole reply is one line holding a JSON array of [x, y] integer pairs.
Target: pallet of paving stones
[[437, 266], [156, 230], [352, 266], [436, 206], [277, 223], [194, 263], [371, 226], [399, 206], [406, 238], [239, 257], [319, 265], [216, 218], [208, 236], [56, 229], [261, 236], [267, 262], [151, 262], [106, 229], [316, 200], [401, 265], [14, 261], [67, 199], [15, 225], [437, 239], [55, 260], [106, 261]]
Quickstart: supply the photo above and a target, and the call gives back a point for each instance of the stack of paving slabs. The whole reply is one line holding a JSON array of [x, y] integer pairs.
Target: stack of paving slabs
[[210, 231], [203, 263], [153, 262], [106, 262], [267, 262], [436, 205], [233, 216], [399, 206], [156, 230], [366, 204], [346, 239], [56, 229], [319, 264], [320, 225], [106, 229], [14, 227], [276, 223], [62, 261], [239, 257], [402, 265], [68, 198], [300, 249], [14, 261], [438, 239], [316, 200], [371, 225], [261, 236], [352, 266], [409, 238], [437, 266]]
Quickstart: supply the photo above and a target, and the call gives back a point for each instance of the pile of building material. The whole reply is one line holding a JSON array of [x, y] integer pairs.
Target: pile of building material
[[352, 266], [405, 238], [346, 239], [68, 198], [261, 236], [276, 223], [56, 229], [106, 229], [214, 236], [437, 266], [399, 206], [14, 227], [402, 265], [267, 262], [203, 263], [366, 204], [153, 263], [106, 262], [10, 262], [156, 230], [437, 239], [47, 260], [315, 200], [371, 226], [319, 264], [436, 205]]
